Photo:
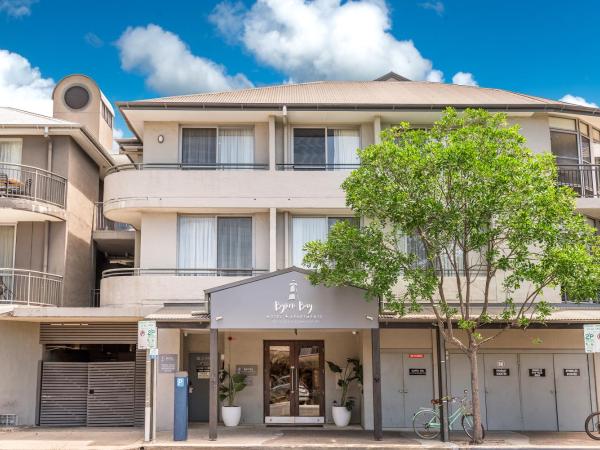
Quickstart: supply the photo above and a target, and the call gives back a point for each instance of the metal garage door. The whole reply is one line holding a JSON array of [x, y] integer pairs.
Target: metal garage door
[[406, 386], [64, 394], [460, 379], [110, 400], [502, 392], [538, 399], [573, 397]]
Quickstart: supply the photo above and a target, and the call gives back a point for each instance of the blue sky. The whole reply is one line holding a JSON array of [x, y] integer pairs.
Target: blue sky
[[544, 48]]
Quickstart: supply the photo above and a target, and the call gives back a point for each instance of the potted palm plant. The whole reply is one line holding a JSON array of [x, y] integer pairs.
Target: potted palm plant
[[229, 385], [342, 411]]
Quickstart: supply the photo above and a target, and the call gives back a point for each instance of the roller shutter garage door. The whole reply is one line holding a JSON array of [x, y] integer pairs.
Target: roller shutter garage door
[[110, 400], [63, 400]]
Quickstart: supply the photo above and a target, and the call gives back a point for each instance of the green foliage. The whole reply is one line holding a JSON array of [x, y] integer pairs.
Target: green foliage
[[349, 374], [230, 385]]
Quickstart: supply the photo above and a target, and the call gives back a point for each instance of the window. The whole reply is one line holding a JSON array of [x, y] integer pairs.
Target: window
[[10, 151], [107, 115], [412, 245], [564, 147], [307, 229], [316, 148], [215, 243], [217, 146], [7, 243]]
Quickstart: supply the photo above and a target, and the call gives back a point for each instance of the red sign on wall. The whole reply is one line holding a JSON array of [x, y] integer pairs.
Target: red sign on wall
[[416, 355]]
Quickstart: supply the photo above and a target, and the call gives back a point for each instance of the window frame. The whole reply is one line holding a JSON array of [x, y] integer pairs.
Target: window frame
[[13, 139], [291, 156], [13, 225], [216, 242], [217, 128]]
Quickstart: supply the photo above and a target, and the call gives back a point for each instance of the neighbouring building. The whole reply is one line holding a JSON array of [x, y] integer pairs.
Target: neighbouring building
[[201, 229]]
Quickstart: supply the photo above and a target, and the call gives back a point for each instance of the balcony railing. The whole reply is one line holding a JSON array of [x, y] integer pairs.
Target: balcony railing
[[29, 287], [128, 272], [101, 223], [584, 179], [294, 166], [187, 166], [18, 181]]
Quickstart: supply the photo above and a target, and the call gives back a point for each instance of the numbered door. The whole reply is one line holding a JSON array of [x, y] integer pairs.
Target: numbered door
[[460, 380], [199, 378], [573, 396], [502, 392], [538, 400], [418, 384], [392, 389]]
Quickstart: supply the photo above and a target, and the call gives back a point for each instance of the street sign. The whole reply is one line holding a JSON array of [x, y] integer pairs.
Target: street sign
[[591, 338], [147, 335]]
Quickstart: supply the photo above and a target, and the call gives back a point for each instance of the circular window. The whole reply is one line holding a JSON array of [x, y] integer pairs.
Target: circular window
[[77, 97]]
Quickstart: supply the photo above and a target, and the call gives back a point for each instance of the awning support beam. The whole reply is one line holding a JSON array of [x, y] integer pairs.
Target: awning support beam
[[214, 385]]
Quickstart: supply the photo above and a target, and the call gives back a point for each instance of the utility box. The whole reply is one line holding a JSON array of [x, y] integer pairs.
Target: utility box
[[180, 419]]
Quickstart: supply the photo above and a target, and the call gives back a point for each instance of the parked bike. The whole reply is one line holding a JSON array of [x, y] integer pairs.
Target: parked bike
[[427, 423], [592, 425]]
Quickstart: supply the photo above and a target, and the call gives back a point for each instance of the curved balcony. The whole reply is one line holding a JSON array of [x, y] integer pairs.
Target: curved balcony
[[32, 194], [29, 287], [146, 287], [584, 179]]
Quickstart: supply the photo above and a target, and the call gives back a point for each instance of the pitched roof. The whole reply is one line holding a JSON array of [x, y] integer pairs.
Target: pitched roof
[[14, 116], [389, 93]]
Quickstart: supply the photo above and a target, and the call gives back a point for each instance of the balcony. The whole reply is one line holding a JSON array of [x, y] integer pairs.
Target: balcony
[[114, 238], [317, 166], [584, 179], [147, 287], [29, 287], [31, 194]]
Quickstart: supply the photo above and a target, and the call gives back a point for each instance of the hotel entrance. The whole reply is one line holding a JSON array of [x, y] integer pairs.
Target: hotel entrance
[[294, 382]]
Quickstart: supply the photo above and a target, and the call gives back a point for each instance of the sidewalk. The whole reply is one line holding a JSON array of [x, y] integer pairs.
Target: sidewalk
[[255, 437]]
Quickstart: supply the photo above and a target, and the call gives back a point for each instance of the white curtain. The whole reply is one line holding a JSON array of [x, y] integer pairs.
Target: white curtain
[[236, 146], [234, 248], [345, 144], [7, 241], [197, 241], [10, 151], [306, 229]]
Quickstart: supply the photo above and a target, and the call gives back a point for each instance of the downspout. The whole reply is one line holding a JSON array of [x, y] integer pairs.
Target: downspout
[[49, 154]]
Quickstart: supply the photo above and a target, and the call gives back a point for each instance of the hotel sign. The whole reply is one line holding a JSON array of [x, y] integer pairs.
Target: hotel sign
[[287, 300]]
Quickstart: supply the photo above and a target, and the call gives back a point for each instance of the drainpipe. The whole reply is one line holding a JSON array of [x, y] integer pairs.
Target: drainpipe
[[49, 154]]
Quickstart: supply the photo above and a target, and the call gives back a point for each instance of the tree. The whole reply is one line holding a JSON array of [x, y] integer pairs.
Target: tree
[[477, 208]]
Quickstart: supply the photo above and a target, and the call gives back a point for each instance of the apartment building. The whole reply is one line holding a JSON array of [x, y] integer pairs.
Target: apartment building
[[219, 194]]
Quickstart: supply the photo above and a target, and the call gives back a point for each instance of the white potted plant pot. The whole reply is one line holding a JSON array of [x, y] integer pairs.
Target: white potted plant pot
[[341, 415], [231, 415]]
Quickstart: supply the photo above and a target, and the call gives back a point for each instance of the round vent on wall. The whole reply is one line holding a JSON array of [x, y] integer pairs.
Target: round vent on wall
[[77, 97]]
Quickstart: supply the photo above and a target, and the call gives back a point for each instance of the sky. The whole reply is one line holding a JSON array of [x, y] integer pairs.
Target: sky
[[138, 49]]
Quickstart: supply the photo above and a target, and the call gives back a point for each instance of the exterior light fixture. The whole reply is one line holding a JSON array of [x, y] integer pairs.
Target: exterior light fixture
[[218, 318], [161, 139], [369, 317]]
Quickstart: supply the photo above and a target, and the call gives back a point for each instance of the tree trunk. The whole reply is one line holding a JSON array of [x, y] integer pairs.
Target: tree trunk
[[476, 405]]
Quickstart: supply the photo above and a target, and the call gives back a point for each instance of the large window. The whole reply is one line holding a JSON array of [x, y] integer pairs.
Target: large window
[[10, 151], [215, 243], [7, 244], [320, 148], [412, 245], [307, 229], [213, 147]]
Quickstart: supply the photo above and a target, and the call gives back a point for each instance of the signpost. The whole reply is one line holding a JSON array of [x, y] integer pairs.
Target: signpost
[[591, 338], [148, 340]]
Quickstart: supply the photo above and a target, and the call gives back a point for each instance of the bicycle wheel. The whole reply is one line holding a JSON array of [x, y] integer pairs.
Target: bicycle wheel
[[467, 424], [592, 426], [426, 424]]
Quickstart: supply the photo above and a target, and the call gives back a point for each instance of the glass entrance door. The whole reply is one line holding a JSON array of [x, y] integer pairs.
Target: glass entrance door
[[294, 382]]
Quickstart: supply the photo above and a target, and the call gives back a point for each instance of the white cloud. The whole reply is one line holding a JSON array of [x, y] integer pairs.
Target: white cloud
[[117, 134], [22, 86], [325, 39], [168, 64], [465, 78], [435, 76], [576, 100], [438, 7], [16, 8]]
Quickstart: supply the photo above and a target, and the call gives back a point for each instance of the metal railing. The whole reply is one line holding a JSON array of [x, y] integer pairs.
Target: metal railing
[[566, 299], [19, 181], [584, 179], [101, 223], [187, 166], [136, 271], [29, 287], [299, 166]]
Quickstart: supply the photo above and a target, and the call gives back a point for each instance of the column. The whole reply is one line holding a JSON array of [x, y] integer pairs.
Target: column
[[442, 367], [376, 130], [272, 239], [376, 358], [213, 405], [271, 142]]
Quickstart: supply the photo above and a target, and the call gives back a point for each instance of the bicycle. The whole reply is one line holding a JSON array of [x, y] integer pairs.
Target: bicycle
[[592, 425], [427, 423]]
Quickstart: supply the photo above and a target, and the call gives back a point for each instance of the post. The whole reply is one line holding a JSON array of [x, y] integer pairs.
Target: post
[[213, 404], [376, 362], [272, 239], [376, 130], [443, 385], [148, 400], [271, 142], [154, 394]]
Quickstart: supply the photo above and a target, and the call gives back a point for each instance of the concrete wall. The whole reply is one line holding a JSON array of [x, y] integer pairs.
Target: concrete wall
[[169, 341], [20, 352]]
